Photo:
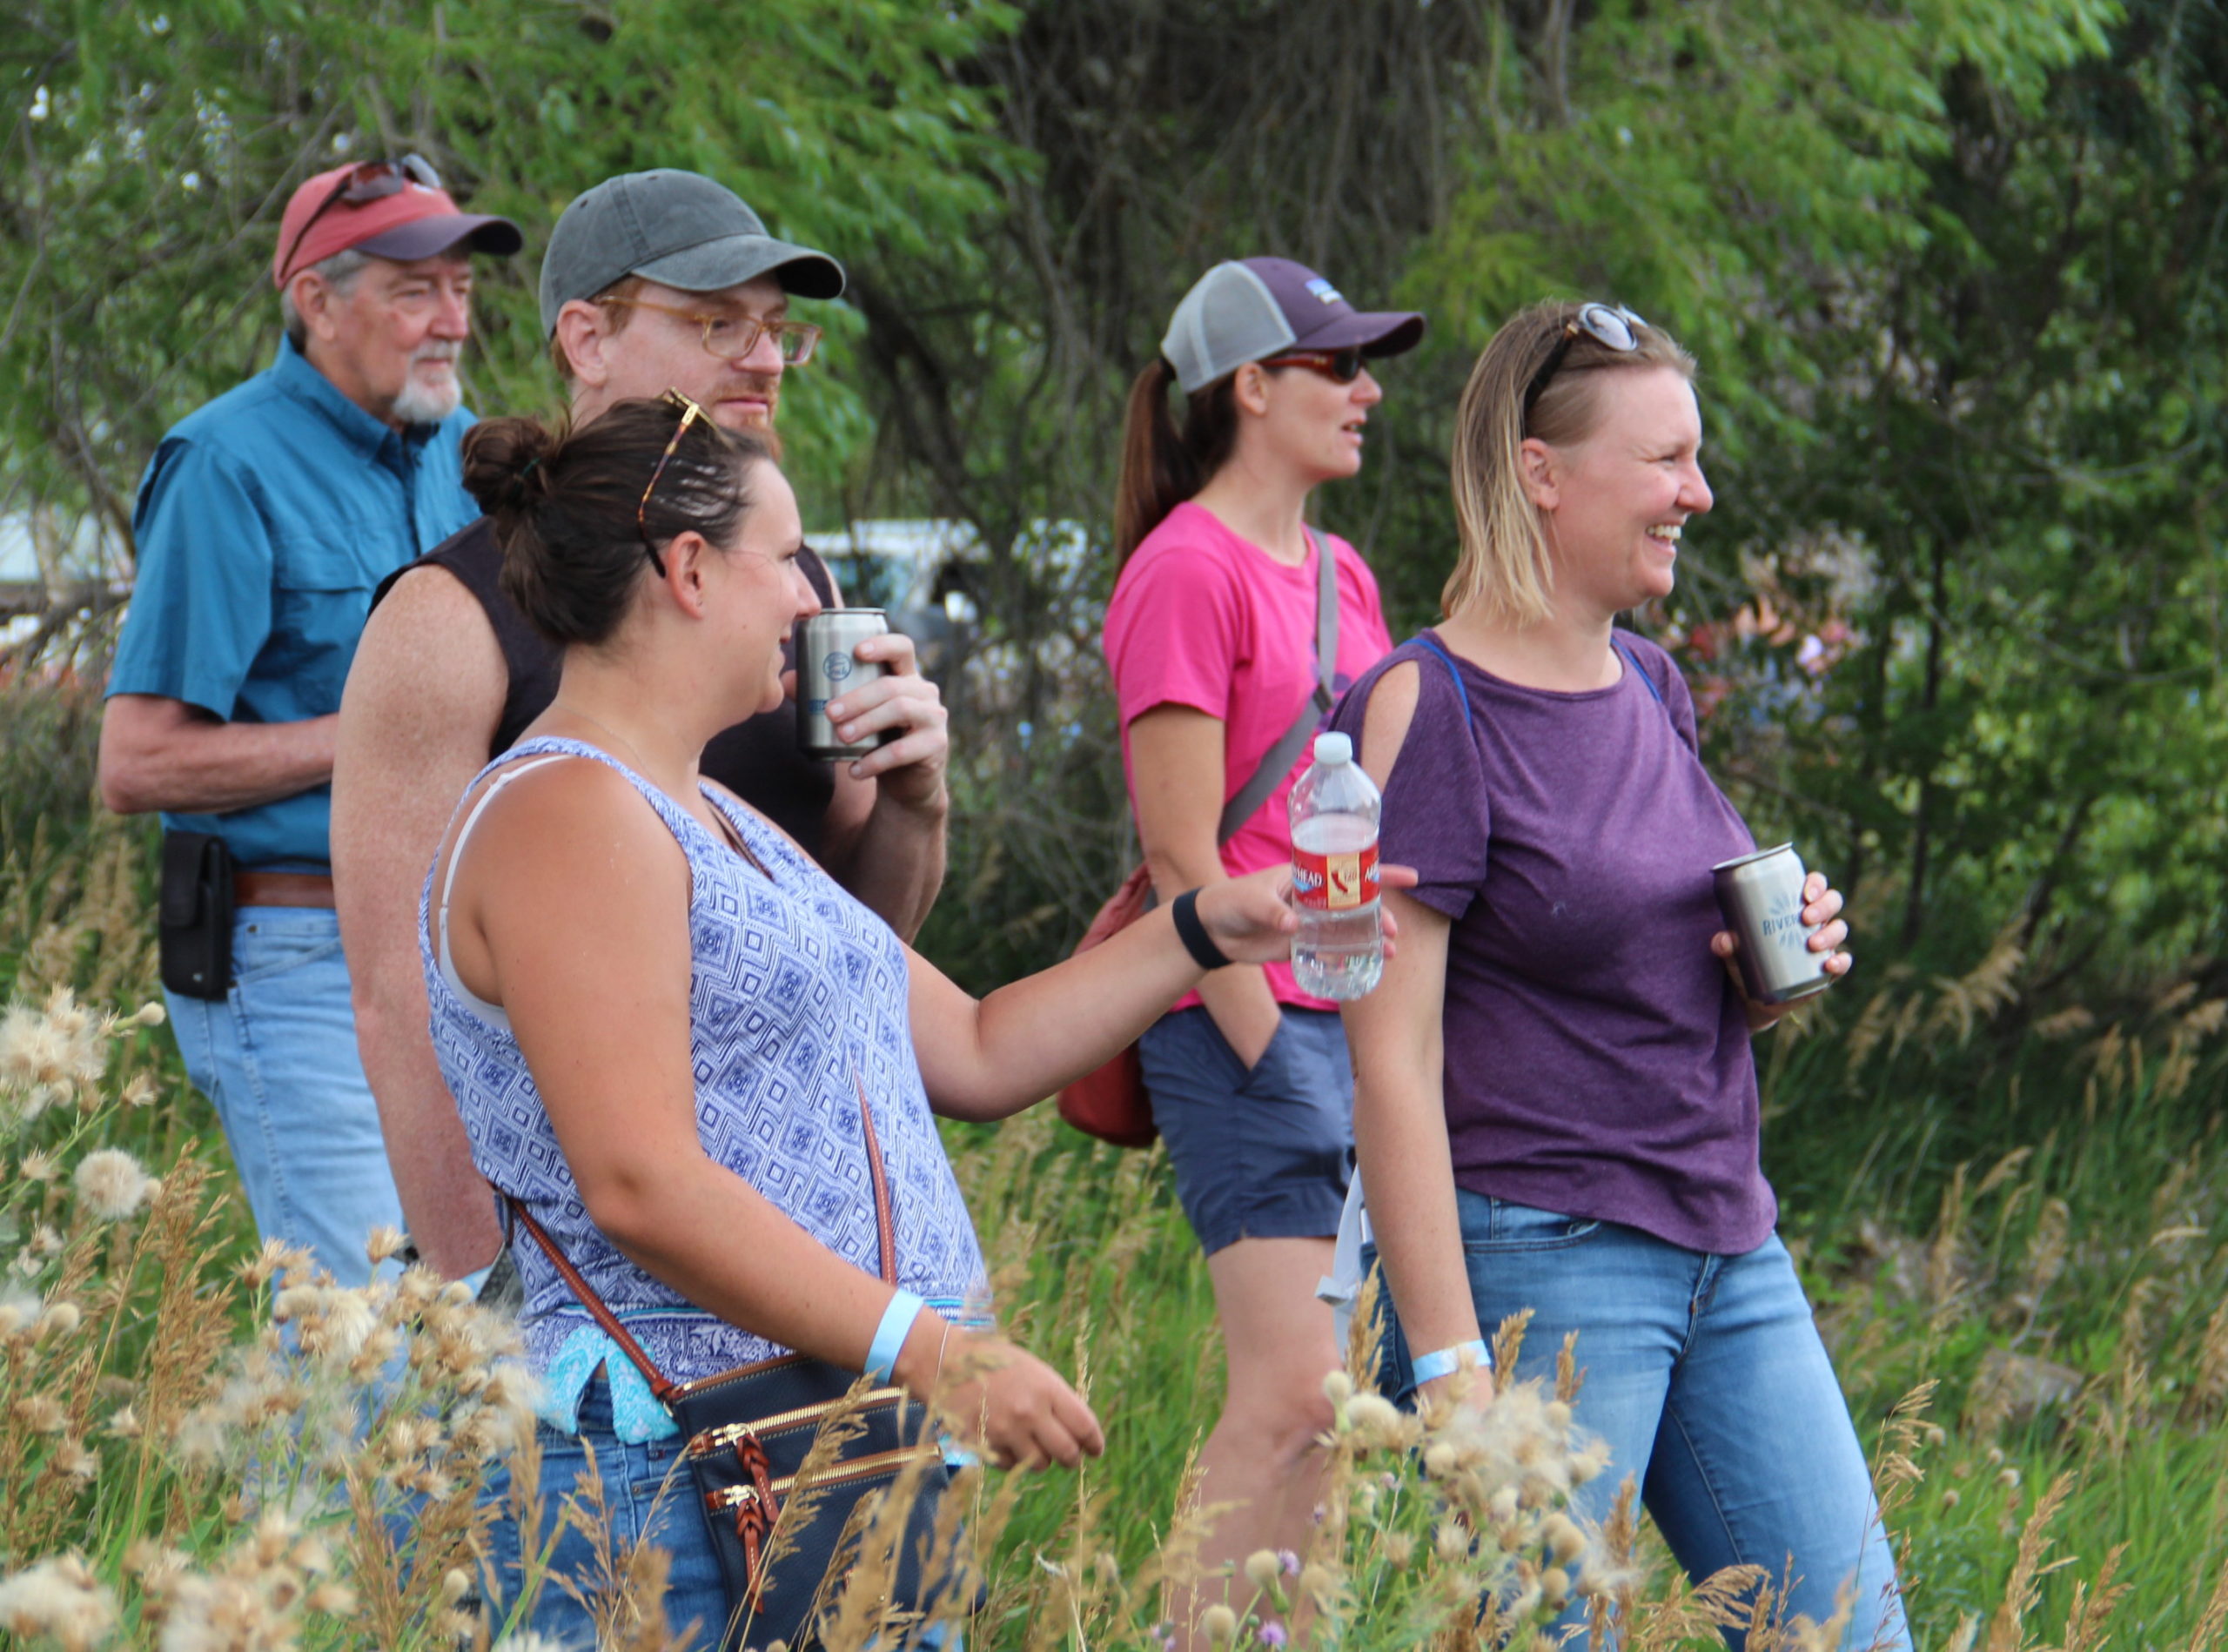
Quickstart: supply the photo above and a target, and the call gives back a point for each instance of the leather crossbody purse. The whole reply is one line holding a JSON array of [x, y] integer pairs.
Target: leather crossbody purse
[[749, 1430]]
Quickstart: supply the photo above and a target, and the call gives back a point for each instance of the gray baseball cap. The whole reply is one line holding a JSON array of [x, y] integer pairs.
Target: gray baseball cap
[[678, 229], [1248, 309]]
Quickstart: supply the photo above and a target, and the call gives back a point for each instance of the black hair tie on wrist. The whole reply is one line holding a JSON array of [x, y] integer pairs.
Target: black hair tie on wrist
[[1185, 908]]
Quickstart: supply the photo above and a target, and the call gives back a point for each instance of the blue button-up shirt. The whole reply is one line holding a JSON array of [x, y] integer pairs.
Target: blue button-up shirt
[[264, 521]]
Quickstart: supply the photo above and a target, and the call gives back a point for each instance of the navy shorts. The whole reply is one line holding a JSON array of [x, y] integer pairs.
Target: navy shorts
[[1263, 1154]]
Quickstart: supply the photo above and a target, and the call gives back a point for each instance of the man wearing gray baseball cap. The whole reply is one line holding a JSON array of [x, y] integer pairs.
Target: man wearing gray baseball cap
[[653, 281]]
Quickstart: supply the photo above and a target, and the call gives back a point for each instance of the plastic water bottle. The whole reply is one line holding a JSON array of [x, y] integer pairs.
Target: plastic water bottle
[[1340, 951]]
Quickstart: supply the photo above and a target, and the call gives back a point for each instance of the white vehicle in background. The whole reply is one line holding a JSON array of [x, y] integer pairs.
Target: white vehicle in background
[[930, 575], [911, 568], [54, 568]]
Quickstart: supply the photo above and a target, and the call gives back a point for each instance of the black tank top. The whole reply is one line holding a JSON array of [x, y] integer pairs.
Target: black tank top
[[757, 759]]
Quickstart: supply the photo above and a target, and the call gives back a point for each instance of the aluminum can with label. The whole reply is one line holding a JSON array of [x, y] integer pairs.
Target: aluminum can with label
[[827, 667], [1761, 898]]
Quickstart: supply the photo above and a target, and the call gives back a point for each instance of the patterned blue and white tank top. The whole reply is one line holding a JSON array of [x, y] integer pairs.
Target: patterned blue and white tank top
[[797, 998]]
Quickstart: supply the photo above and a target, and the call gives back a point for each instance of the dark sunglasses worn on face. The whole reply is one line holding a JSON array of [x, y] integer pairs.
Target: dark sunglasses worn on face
[[1611, 325], [1339, 366], [368, 181], [733, 336], [690, 412]]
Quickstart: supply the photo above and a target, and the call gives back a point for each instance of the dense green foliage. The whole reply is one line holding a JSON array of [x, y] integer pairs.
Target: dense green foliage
[[1954, 269]]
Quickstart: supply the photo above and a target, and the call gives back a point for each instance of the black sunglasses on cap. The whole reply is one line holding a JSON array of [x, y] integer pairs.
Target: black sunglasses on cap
[[1611, 325]]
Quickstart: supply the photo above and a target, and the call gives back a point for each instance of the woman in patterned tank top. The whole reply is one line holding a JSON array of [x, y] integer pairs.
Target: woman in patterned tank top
[[660, 1019]]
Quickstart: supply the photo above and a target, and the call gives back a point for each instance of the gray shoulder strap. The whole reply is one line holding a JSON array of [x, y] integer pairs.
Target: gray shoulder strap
[[1264, 780]]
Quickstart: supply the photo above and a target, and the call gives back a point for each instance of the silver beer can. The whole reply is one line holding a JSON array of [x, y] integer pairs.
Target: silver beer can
[[827, 666], [1761, 898]]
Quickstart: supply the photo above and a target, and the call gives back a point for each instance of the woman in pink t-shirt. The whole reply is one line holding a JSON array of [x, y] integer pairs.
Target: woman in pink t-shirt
[[1211, 636]]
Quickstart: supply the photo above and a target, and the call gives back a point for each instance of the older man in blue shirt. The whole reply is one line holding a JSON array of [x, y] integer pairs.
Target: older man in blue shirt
[[264, 523]]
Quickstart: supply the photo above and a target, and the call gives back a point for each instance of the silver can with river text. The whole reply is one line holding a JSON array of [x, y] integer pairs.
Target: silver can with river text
[[1761, 898]]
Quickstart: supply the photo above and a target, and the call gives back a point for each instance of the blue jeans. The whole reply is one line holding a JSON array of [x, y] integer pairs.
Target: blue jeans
[[1706, 1376], [277, 1059], [647, 1494]]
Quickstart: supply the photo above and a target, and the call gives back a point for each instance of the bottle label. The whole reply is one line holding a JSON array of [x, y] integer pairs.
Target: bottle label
[[1334, 882]]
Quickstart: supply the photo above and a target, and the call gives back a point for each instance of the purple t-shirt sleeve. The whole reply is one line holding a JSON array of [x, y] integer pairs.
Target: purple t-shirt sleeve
[[1436, 817]]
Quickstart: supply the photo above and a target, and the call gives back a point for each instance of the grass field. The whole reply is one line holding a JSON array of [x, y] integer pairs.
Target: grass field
[[2014, 1248]]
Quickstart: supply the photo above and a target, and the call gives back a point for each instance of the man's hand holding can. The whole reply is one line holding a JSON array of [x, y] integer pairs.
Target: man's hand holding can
[[861, 698]]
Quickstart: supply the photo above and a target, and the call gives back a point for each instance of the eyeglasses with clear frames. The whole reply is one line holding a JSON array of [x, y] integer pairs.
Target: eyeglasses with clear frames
[[1608, 324], [733, 336], [690, 412]]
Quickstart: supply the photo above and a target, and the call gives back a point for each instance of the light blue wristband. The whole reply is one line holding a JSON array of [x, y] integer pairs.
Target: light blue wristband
[[890, 1336], [1445, 1362]]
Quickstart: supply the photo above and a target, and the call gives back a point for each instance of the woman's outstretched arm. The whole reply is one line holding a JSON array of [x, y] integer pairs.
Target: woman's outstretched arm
[[988, 1058]]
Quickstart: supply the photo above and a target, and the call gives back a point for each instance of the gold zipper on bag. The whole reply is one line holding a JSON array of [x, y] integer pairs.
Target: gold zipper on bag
[[882, 1462], [862, 1467], [719, 1439]]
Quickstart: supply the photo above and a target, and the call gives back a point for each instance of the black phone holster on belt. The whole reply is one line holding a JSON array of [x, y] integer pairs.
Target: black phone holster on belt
[[196, 918]]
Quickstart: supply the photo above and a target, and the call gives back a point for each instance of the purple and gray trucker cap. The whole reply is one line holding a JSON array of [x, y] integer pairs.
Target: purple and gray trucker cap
[[1246, 309], [678, 229]]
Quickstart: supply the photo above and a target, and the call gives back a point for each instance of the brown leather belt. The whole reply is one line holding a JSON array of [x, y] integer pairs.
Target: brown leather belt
[[281, 888]]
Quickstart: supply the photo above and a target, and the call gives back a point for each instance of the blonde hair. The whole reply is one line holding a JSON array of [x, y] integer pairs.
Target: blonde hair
[[1505, 569]]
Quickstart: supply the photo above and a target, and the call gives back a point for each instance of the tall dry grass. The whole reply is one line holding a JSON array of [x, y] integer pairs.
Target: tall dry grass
[[2012, 1244]]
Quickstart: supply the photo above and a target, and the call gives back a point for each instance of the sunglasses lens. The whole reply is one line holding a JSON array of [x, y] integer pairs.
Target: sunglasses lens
[[1346, 367], [1611, 327]]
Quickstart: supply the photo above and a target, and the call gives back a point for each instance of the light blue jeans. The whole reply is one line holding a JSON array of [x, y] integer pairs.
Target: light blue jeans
[[277, 1059], [1706, 1376]]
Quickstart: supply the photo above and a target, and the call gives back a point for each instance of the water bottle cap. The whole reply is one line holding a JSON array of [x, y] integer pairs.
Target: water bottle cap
[[1331, 750]]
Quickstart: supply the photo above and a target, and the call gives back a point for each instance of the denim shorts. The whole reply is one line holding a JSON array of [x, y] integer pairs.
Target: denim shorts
[[1262, 1153]]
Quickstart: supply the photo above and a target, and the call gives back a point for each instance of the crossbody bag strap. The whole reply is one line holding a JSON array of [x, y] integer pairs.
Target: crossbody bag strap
[[659, 1384], [885, 1225], [663, 1387], [1640, 671], [1264, 781]]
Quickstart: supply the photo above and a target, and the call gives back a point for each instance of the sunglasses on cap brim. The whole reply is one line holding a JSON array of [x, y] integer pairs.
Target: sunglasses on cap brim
[[365, 182]]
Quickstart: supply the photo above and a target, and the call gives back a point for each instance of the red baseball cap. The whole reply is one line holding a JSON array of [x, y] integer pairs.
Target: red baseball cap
[[389, 209]]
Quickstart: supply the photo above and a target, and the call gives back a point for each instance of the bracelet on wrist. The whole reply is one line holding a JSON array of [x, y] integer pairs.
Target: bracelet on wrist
[[890, 1336], [1445, 1362], [1192, 931]]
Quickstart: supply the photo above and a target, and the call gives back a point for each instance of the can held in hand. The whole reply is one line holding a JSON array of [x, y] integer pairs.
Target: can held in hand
[[1761, 898], [827, 667]]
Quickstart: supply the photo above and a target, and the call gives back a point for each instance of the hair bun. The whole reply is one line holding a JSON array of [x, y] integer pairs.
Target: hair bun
[[502, 463]]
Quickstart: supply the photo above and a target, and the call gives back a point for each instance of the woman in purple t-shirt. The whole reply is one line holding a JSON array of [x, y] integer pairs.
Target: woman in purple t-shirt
[[1556, 1104], [1211, 638]]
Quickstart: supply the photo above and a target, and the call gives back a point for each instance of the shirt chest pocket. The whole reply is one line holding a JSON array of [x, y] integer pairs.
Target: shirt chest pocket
[[321, 596]]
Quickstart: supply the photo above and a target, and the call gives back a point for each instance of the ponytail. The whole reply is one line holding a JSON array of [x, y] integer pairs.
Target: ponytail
[[1160, 467]]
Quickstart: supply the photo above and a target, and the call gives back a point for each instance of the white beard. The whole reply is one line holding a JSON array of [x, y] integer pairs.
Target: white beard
[[427, 404]]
